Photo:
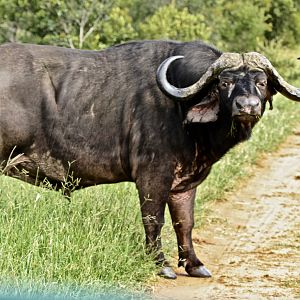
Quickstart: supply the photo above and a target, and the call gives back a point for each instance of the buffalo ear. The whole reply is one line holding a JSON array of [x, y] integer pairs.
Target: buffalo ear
[[271, 92], [205, 111]]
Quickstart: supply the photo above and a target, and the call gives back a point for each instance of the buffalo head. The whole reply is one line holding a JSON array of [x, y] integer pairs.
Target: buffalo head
[[243, 85]]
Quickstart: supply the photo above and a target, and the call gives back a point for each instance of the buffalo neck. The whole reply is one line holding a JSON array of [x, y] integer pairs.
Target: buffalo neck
[[215, 139]]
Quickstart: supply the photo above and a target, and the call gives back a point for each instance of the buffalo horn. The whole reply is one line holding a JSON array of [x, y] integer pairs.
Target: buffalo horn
[[256, 60], [225, 61]]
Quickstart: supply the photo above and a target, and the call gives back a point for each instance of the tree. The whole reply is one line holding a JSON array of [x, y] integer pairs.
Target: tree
[[169, 22], [79, 21], [24, 21], [239, 25], [284, 17], [139, 10], [117, 28]]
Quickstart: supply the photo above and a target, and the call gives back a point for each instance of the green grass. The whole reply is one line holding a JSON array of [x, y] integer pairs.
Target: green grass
[[96, 241]]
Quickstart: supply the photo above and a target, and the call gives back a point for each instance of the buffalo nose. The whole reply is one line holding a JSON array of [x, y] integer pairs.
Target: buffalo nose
[[246, 105]]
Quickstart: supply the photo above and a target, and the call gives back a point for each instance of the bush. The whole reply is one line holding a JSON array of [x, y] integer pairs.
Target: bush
[[169, 22], [283, 15], [240, 26], [118, 28]]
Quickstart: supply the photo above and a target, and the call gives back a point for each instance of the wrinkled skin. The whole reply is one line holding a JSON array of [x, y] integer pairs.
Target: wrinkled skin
[[104, 113]]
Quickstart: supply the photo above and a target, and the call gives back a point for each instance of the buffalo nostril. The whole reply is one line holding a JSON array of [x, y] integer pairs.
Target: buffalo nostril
[[253, 102], [238, 105]]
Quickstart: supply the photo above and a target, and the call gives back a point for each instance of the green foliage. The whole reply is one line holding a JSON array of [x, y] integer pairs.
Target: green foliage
[[78, 22], [117, 28], [241, 25], [169, 22], [284, 17], [141, 9], [283, 59], [23, 20]]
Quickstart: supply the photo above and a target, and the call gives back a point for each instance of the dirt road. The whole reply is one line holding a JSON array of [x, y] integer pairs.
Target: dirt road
[[251, 241]]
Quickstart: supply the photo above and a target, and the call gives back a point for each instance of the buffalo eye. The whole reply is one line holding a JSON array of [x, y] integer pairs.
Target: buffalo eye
[[224, 84], [261, 84]]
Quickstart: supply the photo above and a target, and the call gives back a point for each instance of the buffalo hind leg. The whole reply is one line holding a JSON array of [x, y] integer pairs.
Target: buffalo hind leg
[[153, 201], [181, 207]]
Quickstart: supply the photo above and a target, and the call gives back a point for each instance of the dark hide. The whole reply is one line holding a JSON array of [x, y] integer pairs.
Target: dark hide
[[102, 116]]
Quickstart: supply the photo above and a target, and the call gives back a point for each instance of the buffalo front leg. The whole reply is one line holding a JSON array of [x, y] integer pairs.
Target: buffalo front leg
[[181, 207], [153, 201]]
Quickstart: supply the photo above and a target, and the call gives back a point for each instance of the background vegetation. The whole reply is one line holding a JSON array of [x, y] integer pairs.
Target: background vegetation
[[237, 25], [96, 241]]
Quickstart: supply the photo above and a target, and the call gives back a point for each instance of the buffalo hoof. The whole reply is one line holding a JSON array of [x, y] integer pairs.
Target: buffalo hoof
[[200, 271], [168, 273]]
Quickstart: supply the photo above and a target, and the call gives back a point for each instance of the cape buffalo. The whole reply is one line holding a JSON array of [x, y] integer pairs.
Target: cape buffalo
[[158, 113]]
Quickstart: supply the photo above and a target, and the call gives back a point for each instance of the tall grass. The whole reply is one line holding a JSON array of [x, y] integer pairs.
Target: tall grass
[[95, 241]]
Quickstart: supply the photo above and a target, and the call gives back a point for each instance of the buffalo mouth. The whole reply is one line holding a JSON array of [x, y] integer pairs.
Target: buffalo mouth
[[246, 118]]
